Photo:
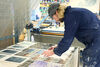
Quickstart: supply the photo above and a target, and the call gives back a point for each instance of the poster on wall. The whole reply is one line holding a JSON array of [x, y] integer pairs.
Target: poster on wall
[[92, 5]]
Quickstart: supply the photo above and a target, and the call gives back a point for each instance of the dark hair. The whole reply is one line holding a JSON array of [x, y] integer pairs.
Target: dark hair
[[52, 9]]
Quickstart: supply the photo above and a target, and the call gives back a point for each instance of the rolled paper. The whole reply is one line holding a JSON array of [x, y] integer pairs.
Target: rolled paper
[[71, 49]]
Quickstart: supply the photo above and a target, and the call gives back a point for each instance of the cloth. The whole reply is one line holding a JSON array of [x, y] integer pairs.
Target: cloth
[[34, 9]]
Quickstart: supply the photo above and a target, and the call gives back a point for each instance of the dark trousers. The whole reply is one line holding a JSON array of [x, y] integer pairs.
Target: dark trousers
[[91, 54], [98, 65]]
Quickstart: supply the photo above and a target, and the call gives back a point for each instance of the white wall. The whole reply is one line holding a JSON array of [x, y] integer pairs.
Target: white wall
[[92, 5]]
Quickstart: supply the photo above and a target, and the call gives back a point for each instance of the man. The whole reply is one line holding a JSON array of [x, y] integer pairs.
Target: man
[[82, 24]]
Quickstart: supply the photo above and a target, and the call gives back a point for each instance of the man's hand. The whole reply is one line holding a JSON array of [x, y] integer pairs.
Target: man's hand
[[52, 47], [48, 53]]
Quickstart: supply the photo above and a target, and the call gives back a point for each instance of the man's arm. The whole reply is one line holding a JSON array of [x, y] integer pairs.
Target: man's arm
[[71, 26]]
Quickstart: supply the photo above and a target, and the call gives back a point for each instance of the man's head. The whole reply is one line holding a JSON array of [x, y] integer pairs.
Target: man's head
[[52, 9], [56, 11]]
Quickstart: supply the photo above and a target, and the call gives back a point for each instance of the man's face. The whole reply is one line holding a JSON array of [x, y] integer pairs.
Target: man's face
[[55, 17]]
